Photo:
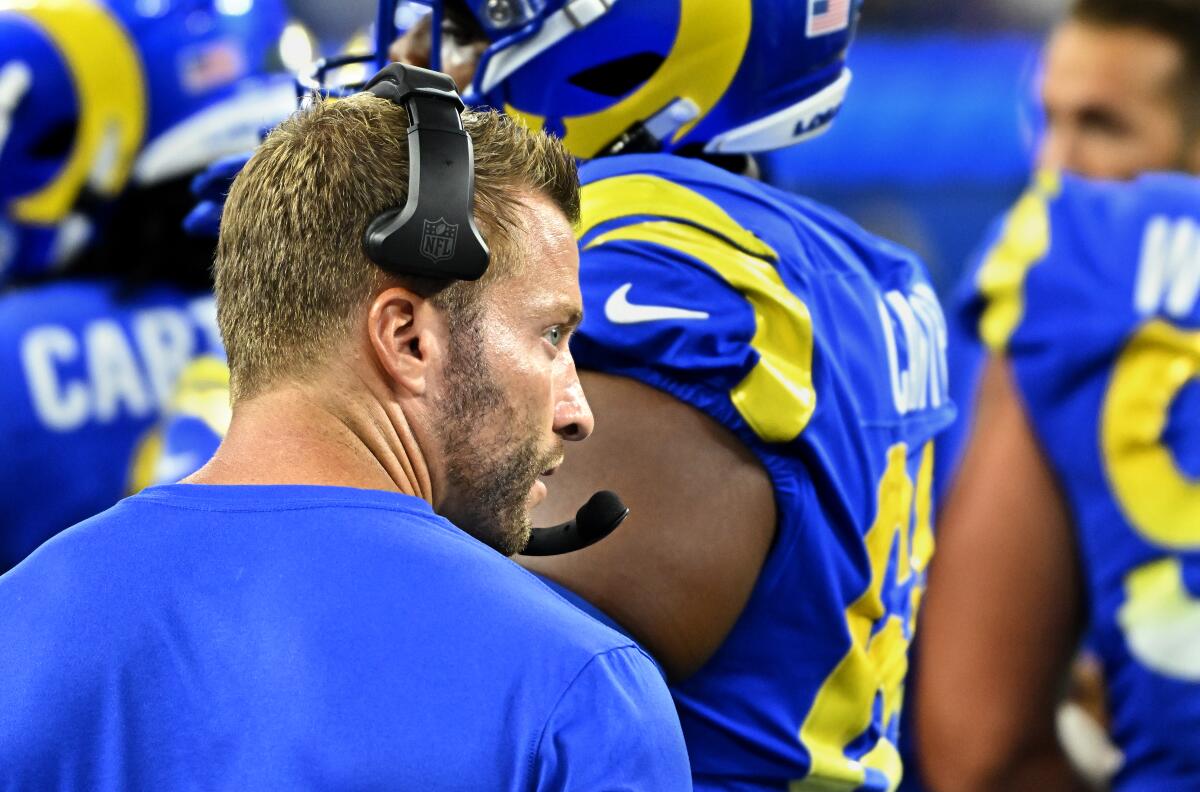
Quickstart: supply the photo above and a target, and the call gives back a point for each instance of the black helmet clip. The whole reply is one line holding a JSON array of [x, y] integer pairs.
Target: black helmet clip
[[434, 234]]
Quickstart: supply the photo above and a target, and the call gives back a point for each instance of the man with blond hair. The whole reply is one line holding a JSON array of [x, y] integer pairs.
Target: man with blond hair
[[327, 603]]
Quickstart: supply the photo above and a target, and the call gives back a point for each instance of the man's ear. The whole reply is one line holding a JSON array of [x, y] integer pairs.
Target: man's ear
[[407, 334]]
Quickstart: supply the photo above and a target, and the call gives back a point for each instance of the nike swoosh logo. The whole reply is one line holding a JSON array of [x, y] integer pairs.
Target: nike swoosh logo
[[619, 310]]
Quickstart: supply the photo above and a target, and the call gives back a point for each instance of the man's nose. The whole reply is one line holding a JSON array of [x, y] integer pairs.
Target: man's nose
[[572, 414]]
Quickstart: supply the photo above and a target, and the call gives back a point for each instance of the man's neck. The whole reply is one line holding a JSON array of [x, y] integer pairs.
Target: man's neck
[[294, 434]]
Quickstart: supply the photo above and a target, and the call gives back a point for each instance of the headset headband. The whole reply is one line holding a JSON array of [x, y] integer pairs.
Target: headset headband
[[434, 234]]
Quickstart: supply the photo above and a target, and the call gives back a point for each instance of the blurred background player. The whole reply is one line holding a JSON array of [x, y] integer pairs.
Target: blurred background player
[[1121, 92], [1120, 96], [106, 110], [1078, 502]]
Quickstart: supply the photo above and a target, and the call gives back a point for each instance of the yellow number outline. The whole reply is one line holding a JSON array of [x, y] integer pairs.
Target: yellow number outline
[[1154, 495], [877, 661], [1159, 617]]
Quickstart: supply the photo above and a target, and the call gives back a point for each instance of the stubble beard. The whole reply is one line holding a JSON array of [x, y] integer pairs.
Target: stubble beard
[[490, 479]]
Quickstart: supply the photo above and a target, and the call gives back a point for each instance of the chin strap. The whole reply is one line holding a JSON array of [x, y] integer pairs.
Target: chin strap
[[646, 137]]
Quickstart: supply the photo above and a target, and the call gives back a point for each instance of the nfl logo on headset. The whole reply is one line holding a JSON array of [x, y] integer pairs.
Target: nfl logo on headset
[[437, 241], [827, 16]]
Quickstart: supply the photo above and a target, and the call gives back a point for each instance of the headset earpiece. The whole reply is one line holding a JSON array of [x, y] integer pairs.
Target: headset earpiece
[[434, 234]]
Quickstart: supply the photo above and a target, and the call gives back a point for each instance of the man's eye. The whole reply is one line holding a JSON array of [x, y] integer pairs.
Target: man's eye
[[554, 335], [1105, 123]]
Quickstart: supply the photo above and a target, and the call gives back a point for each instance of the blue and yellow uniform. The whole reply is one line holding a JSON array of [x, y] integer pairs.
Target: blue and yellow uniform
[[88, 372], [104, 108], [823, 349], [1092, 291]]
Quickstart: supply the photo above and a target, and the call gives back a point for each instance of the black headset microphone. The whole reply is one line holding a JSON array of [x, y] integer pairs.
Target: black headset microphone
[[434, 236], [595, 520]]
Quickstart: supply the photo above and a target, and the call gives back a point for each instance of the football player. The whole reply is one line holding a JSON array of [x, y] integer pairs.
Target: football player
[[1077, 504], [1121, 93], [1119, 96], [106, 109], [767, 376]]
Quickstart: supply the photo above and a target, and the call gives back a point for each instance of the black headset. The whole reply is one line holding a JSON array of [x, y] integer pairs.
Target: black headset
[[434, 234]]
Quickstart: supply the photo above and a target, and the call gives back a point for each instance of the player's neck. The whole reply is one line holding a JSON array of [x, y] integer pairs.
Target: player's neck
[[314, 434]]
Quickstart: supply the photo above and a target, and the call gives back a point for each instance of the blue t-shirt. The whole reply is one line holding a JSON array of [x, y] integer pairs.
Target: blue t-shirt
[[288, 637]]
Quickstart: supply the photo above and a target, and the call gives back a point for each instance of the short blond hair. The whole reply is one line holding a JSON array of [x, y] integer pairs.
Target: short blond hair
[[291, 273]]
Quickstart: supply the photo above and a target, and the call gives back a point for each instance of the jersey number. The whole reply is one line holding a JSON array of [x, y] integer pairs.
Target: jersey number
[[875, 666], [1160, 618]]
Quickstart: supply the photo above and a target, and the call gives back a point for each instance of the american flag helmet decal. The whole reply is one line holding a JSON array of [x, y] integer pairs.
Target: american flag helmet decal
[[827, 16]]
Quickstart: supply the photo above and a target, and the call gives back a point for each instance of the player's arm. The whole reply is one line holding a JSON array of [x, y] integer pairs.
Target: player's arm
[[1003, 612], [678, 572]]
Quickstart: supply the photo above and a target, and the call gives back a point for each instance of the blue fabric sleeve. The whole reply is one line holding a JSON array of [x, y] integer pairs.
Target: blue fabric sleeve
[[597, 614], [614, 728], [707, 340]]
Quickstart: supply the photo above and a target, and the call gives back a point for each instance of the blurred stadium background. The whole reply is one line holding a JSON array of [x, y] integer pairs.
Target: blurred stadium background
[[934, 141]]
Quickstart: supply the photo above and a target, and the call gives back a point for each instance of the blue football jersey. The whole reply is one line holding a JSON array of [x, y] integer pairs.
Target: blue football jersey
[[823, 349], [1092, 291], [88, 371]]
